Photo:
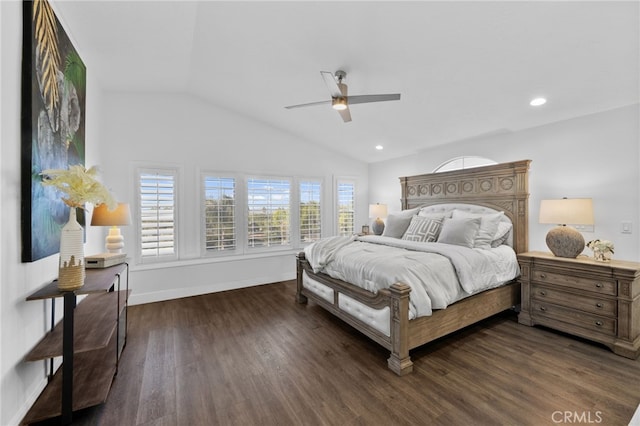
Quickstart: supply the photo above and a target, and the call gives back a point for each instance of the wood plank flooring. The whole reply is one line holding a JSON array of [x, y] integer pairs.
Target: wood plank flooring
[[255, 357]]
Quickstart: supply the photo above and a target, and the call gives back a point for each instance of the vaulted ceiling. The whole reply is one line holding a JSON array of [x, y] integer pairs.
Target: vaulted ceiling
[[464, 69]]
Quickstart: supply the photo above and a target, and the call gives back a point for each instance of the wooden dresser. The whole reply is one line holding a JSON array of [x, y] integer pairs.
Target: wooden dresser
[[599, 301]]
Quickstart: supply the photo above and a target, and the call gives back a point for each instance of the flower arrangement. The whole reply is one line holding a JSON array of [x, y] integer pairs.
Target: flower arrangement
[[602, 249], [80, 186]]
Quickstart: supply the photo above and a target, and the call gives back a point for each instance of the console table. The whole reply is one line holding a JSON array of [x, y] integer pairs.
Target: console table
[[90, 339]]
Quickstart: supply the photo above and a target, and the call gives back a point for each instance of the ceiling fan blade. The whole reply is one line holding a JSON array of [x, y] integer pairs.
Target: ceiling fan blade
[[309, 104], [345, 114], [331, 83], [362, 99]]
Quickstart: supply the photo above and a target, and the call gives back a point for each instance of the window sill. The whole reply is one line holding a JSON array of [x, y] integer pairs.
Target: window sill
[[212, 259]]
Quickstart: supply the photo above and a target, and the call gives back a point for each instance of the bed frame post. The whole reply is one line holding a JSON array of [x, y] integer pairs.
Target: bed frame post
[[300, 298], [399, 362]]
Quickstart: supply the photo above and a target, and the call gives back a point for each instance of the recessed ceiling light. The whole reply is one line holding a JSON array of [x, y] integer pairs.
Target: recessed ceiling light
[[379, 147], [538, 102]]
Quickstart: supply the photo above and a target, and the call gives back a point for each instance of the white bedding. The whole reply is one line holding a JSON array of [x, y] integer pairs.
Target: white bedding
[[438, 274]]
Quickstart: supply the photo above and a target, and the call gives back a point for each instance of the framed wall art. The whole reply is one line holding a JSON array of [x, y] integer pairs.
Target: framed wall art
[[53, 125]]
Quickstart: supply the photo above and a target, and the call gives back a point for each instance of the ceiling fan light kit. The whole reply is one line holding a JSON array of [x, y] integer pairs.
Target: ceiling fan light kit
[[339, 104], [340, 100]]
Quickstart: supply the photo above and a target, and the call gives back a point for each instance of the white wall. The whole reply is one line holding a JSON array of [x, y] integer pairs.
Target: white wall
[[186, 132], [24, 323], [595, 156]]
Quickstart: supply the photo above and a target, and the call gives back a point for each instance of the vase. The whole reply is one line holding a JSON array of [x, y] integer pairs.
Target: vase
[[71, 268]]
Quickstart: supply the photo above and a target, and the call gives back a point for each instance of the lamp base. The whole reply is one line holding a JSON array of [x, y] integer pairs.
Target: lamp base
[[378, 226], [565, 241], [114, 243]]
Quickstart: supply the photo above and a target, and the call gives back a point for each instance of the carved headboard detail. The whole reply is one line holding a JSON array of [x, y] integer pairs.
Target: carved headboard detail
[[503, 187]]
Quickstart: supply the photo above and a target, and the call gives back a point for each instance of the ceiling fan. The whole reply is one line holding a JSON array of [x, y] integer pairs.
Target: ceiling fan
[[340, 101]]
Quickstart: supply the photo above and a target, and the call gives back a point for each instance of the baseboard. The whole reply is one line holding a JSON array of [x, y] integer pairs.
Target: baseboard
[[159, 296], [29, 401]]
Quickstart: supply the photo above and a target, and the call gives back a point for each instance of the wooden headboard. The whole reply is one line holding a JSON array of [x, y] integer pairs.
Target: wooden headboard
[[503, 187]]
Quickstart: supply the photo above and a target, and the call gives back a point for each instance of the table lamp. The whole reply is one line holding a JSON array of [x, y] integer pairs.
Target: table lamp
[[120, 216], [379, 211], [564, 240]]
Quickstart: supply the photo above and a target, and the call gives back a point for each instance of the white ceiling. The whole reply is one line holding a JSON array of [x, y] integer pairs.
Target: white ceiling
[[464, 69]]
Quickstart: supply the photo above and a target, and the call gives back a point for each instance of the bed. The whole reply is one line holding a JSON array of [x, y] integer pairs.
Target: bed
[[384, 316]]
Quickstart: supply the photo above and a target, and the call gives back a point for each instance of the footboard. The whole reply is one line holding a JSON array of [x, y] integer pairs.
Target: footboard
[[389, 326]]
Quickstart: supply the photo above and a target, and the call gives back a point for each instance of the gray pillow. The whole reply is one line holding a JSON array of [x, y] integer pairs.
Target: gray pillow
[[423, 229], [461, 232], [396, 225], [488, 226], [502, 234]]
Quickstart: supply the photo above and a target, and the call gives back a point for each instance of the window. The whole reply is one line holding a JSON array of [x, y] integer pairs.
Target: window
[[460, 163], [219, 214], [346, 208], [157, 203], [310, 208], [269, 219]]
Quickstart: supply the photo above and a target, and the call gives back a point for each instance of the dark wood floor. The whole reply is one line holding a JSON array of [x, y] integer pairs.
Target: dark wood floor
[[255, 357]]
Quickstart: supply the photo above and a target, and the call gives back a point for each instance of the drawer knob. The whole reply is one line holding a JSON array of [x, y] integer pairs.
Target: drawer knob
[[543, 293], [543, 276], [599, 285], [599, 323], [599, 305], [542, 308]]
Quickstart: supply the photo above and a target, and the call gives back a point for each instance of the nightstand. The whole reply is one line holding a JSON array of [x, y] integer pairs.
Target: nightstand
[[599, 301]]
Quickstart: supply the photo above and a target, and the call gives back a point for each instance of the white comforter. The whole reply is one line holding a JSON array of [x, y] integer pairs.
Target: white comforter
[[438, 274]]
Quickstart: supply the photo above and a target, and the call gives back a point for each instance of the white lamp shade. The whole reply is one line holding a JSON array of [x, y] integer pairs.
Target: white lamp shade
[[573, 211], [119, 216], [378, 210]]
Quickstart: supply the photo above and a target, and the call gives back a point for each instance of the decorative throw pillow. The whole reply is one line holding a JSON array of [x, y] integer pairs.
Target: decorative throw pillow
[[488, 226], [502, 234], [396, 225], [461, 232], [423, 229]]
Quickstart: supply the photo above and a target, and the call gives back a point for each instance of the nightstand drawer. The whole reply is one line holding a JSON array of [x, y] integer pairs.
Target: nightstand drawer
[[595, 305], [574, 317], [579, 283]]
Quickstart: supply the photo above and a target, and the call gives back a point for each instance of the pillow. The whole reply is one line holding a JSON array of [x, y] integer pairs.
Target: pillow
[[434, 215], [461, 232], [423, 229], [408, 212], [488, 226], [396, 225], [502, 234]]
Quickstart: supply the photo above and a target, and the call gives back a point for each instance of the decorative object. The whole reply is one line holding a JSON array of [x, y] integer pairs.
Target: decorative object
[[365, 229], [71, 267], [79, 187], [379, 211], [564, 240], [602, 249], [53, 125], [120, 216]]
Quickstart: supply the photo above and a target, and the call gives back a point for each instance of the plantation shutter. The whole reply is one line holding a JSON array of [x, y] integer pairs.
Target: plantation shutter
[[219, 213], [310, 208], [268, 203], [157, 214], [346, 208]]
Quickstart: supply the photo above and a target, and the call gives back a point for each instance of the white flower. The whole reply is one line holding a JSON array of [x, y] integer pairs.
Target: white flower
[[604, 246], [80, 186]]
